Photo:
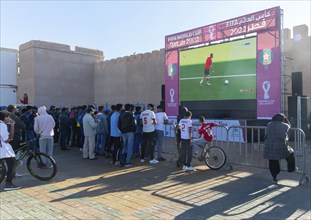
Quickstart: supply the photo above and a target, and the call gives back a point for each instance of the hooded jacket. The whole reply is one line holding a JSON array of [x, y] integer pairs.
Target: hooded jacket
[[44, 124]]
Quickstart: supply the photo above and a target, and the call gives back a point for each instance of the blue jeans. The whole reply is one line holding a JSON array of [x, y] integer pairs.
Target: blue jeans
[[159, 143], [100, 140], [198, 142], [128, 141], [29, 135], [46, 146], [137, 142]]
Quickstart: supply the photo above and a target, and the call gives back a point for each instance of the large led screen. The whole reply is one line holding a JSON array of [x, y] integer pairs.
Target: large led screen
[[234, 76]]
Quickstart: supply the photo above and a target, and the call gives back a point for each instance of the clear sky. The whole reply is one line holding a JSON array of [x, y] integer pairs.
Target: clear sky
[[122, 28]]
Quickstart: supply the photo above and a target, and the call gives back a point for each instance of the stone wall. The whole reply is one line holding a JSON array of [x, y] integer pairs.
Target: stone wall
[[52, 74], [131, 79]]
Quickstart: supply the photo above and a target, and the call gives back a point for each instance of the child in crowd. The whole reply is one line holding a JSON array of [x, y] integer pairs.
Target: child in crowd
[[206, 130], [185, 126]]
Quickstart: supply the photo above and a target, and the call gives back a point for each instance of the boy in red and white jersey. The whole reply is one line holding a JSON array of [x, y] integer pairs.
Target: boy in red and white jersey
[[185, 126], [206, 131]]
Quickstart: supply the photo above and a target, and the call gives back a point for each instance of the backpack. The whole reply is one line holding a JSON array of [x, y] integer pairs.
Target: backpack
[[80, 118], [28, 120]]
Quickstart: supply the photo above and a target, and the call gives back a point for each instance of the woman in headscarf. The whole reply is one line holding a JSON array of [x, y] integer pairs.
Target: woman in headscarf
[[276, 143]]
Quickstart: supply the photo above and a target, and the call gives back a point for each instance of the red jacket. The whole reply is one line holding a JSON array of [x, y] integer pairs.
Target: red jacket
[[206, 130]]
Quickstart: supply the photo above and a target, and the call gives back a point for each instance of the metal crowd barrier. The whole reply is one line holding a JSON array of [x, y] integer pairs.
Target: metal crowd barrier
[[244, 145]]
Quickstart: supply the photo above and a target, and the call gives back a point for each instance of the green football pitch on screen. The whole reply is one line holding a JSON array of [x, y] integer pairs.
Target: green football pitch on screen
[[234, 76]]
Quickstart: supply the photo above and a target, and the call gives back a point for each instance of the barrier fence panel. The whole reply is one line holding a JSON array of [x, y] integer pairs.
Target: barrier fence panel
[[169, 141], [244, 145], [247, 150], [250, 152]]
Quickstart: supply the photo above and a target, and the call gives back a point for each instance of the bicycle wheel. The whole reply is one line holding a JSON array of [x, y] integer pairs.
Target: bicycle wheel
[[2, 170], [215, 158], [41, 166]]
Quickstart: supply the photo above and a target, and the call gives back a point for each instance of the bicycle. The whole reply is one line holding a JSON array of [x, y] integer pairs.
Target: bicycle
[[214, 157], [40, 165]]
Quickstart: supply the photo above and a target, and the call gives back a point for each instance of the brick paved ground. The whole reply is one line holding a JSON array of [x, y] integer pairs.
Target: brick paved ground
[[85, 189]]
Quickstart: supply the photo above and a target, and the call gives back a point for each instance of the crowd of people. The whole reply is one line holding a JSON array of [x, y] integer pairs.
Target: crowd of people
[[119, 133]]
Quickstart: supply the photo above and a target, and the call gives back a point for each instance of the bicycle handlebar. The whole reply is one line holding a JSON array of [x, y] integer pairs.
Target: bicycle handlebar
[[31, 141]]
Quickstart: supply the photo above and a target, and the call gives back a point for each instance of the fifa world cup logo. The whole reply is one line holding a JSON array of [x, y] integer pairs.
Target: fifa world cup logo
[[172, 93], [211, 30], [266, 87]]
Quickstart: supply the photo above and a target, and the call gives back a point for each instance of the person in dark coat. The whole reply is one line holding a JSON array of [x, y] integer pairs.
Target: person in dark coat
[[276, 143]]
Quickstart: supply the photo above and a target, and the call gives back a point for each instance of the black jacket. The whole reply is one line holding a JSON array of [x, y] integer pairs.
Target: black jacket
[[127, 122]]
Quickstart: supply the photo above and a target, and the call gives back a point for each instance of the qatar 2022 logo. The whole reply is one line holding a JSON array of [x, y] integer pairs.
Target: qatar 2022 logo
[[171, 70], [266, 57]]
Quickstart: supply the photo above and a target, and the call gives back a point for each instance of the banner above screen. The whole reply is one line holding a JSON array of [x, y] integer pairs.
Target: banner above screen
[[247, 24]]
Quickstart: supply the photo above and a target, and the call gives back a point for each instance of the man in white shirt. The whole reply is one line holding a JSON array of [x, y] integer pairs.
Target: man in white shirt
[[162, 119], [148, 120]]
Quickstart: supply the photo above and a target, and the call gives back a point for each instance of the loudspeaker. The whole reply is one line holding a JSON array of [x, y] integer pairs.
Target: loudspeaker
[[297, 83], [162, 103], [292, 111], [163, 92]]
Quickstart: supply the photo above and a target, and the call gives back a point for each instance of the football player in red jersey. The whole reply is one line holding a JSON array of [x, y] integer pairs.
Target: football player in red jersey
[[208, 68]]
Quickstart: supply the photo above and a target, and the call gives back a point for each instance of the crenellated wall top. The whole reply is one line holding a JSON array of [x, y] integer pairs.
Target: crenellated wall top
[[59, 47], [299, 31], [134, 58]]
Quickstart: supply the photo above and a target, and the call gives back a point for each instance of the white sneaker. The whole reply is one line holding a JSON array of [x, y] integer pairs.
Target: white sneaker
[[17, 175], [184, 167], [154, 161], [189, 168], [208, 84], [142, 160]]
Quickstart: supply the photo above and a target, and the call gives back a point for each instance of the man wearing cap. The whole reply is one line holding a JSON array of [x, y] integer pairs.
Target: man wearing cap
[[148, 120]]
